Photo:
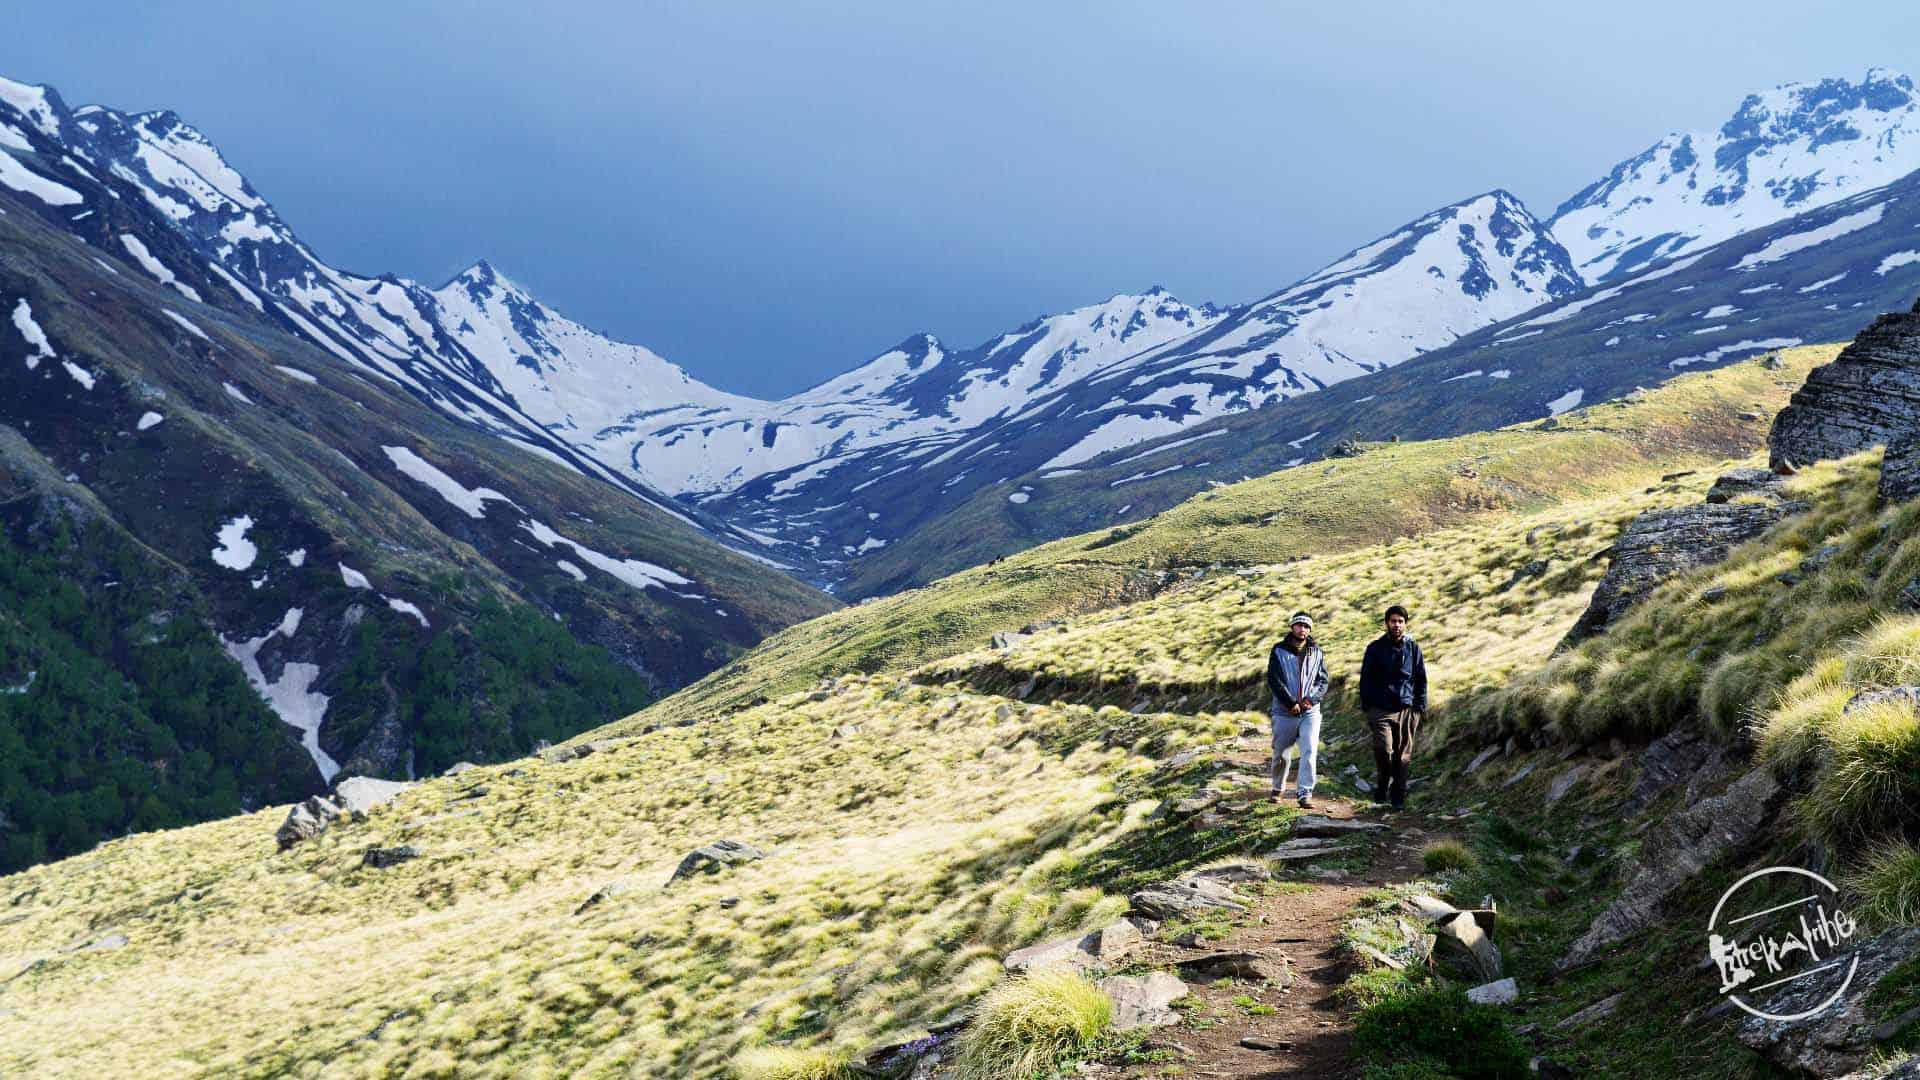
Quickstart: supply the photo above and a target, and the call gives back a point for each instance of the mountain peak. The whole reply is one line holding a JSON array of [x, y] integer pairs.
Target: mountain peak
[[1796, 147]]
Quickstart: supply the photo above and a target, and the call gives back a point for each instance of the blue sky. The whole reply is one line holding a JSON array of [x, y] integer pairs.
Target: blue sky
[[771, 193]]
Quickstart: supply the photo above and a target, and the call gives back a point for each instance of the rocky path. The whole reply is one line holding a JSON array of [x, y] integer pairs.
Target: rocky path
[[1243, 1028]]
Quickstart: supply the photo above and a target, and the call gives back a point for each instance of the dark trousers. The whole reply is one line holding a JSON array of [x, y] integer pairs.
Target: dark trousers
[[1393, 732]]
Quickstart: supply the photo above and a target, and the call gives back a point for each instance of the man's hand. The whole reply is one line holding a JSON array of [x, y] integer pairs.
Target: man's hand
[[1295, 711]]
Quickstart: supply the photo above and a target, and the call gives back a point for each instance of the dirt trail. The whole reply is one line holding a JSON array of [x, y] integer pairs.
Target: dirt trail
[[1309, 1032]]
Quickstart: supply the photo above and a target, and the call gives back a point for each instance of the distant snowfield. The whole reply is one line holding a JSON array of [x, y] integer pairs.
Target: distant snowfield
[[138, 249], [27, 182], [29, 329], [1566, 401], [1714, 356], [634, 572], [147, 420], [1797, 242], [235, 551], [186, 324], [470, 501], [291, 696]]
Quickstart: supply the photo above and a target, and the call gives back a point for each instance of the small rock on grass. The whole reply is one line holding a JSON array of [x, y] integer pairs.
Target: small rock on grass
[[1599, 1010], [1271, 1046], [1498, 992]]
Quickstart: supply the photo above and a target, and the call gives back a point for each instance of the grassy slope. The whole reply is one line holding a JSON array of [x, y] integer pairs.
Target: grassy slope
[[1392, 490], [916, 831]]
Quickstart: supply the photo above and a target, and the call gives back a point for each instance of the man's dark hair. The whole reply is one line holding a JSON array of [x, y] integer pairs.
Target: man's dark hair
[[1396, 610]]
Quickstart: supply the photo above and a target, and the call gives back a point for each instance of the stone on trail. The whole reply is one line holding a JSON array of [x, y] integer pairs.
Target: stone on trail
[[1304, 849], [714, 857], [1499, 992], [1317, 825], [1185, 896], [1846, 1035], [1102, 948], [1144, 1000], [1234, 873], [1236, 965]]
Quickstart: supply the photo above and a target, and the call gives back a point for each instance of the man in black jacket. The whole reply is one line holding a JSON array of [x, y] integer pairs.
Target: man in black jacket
[[1393, 692], [1297, 676]]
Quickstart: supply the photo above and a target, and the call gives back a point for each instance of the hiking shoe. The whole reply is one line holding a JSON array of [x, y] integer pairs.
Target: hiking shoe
[[1306, 801]]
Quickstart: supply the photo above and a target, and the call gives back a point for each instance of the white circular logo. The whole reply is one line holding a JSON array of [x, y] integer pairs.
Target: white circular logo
[[1780, 942]]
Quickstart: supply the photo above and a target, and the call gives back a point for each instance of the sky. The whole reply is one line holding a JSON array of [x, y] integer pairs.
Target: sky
[[771, 193]]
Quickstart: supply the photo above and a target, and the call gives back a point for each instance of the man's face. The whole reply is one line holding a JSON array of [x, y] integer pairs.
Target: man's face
[[1300, 631], [1396, 626]]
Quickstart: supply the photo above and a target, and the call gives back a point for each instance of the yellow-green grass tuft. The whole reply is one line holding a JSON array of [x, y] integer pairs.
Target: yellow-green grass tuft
[[1868, 775], [787, 1063], [1887, 882], [1443, 855], [1028, 1025]]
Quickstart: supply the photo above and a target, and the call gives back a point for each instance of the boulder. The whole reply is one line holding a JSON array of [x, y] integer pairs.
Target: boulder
[[1844, 1036], [1499, 992], [1184, 897], [379, 858], [1144, 1000], [1660, 544], [351, 798], [1869, 396], [1103, 948], [714, 857], [459, 767], [1430, 909], [1691, 839], [1461, 946], [1007, 641]]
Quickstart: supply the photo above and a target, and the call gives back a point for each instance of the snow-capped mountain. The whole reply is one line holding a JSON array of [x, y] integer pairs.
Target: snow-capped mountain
[[917, 391], [1795, 148]]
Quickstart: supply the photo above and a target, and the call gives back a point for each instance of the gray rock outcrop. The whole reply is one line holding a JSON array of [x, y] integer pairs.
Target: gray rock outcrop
[[350, 799], [1662, 543], [1844, 1036], [715, 857], [1869, 396], [1760, 483], [1900, 469], [1693, 838]]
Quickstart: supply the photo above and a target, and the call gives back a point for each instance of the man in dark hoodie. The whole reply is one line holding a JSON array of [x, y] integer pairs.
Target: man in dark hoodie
[[1393, 691], [1297, 676]]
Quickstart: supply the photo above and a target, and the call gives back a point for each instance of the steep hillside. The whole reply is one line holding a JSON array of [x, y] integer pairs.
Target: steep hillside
[[1817, 276], [404, 590], [1387, 491], [893, 836]]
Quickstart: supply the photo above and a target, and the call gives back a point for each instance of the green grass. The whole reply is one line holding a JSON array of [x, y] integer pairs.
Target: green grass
[[1028, 1025], [1436, 1027], [1887, 881]]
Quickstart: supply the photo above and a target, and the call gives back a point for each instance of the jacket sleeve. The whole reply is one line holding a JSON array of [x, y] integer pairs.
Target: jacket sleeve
[[1273, 677], [1371, 676], [1318, 691], [1419, 679]]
